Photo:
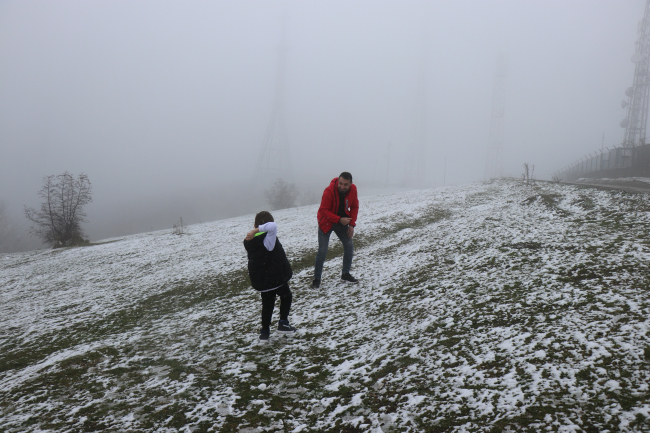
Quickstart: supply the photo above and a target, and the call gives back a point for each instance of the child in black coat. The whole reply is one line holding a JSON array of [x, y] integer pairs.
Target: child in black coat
[[270, 272]]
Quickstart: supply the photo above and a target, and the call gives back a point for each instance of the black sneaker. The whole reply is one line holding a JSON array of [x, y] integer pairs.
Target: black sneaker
[[315, 284], [264, 336], [349, 279], [285, 328]]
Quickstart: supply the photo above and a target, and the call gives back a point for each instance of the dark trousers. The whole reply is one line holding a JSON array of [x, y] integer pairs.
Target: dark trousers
[[323, 242], [268, 304]]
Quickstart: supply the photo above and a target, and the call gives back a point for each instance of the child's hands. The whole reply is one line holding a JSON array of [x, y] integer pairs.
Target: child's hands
[[251, 234]]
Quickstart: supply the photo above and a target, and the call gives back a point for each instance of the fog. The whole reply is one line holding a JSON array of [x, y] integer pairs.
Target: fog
[[164, 105]]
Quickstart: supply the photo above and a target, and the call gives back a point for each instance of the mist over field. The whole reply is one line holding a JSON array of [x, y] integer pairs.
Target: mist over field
[[164, 105]]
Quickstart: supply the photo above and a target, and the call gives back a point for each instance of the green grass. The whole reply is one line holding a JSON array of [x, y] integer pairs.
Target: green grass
[[496, 293]]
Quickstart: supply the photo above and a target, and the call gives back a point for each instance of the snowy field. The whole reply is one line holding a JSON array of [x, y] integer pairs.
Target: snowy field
[[487, 307]]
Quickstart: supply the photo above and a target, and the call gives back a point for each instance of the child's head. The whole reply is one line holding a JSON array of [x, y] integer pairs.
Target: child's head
[[263, 218]]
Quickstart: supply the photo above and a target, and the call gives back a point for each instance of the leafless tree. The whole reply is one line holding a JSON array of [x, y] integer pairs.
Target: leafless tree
[[282, 195], [529, 173], [58, 221], [179, 228]]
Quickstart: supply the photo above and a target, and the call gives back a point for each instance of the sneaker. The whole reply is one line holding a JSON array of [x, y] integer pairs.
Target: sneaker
[[285, 328], [264, 336], [315, 284], [349, 279]]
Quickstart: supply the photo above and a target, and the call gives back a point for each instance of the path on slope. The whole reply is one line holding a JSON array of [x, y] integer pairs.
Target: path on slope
[[633, 185]]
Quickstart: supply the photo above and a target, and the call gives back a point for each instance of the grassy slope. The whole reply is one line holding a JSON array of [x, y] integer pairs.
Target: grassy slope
[[482, 308]]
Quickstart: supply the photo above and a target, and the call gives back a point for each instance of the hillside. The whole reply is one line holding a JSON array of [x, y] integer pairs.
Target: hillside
[[487, 307]]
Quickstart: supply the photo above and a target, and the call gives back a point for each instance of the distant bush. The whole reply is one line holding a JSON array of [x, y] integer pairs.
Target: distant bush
[[76, 241], [179, 228], [282, 195]]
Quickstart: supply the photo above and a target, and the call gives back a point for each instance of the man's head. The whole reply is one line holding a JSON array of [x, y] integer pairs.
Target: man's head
[[263, 218], [345, 180]]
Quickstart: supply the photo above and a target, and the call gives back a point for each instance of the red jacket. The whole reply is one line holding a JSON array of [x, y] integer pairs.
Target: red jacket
[[329, 206]]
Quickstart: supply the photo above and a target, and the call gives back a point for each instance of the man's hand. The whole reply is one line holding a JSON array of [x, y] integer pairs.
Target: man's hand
[[251, 234], [345, 221], [350, 231]]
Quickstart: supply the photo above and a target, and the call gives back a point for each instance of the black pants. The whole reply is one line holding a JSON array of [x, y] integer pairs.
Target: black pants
[[268, 304]]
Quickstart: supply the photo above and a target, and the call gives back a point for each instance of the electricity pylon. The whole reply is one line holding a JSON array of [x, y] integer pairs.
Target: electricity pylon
[[414, 175], [638, 95], [494, 160], [274, 161]]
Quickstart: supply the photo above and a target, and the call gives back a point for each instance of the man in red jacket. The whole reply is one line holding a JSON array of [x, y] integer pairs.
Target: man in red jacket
[[337, 213]]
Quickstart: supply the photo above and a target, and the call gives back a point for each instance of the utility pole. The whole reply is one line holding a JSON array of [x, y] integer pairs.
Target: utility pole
[[414, 174], [387, 161], [444, 172], [494, 160], [638, 95], [274, 161]]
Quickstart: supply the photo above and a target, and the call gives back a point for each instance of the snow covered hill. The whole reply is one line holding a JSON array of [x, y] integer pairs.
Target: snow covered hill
[[487, 307]]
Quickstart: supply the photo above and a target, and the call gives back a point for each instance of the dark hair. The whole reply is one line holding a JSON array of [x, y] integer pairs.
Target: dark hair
[[263, 218], [347, 176]]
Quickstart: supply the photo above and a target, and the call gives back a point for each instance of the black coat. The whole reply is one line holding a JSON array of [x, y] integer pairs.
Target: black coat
[[267, 269]]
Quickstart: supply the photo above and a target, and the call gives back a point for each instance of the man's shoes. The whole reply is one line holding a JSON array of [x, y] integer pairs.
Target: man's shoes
[[285, 328], [315, 284], [349, 279], [264, 336]]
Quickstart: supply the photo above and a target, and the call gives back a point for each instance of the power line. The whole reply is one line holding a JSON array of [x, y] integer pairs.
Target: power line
[[494, 160], [274, 161]]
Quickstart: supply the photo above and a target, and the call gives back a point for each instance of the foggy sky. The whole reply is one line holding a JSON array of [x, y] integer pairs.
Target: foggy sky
[[164, 104]]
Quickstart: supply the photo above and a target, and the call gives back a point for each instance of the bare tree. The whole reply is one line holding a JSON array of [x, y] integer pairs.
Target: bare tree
[[58, 221], [528, 174], [179, 227], [282, 195]]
